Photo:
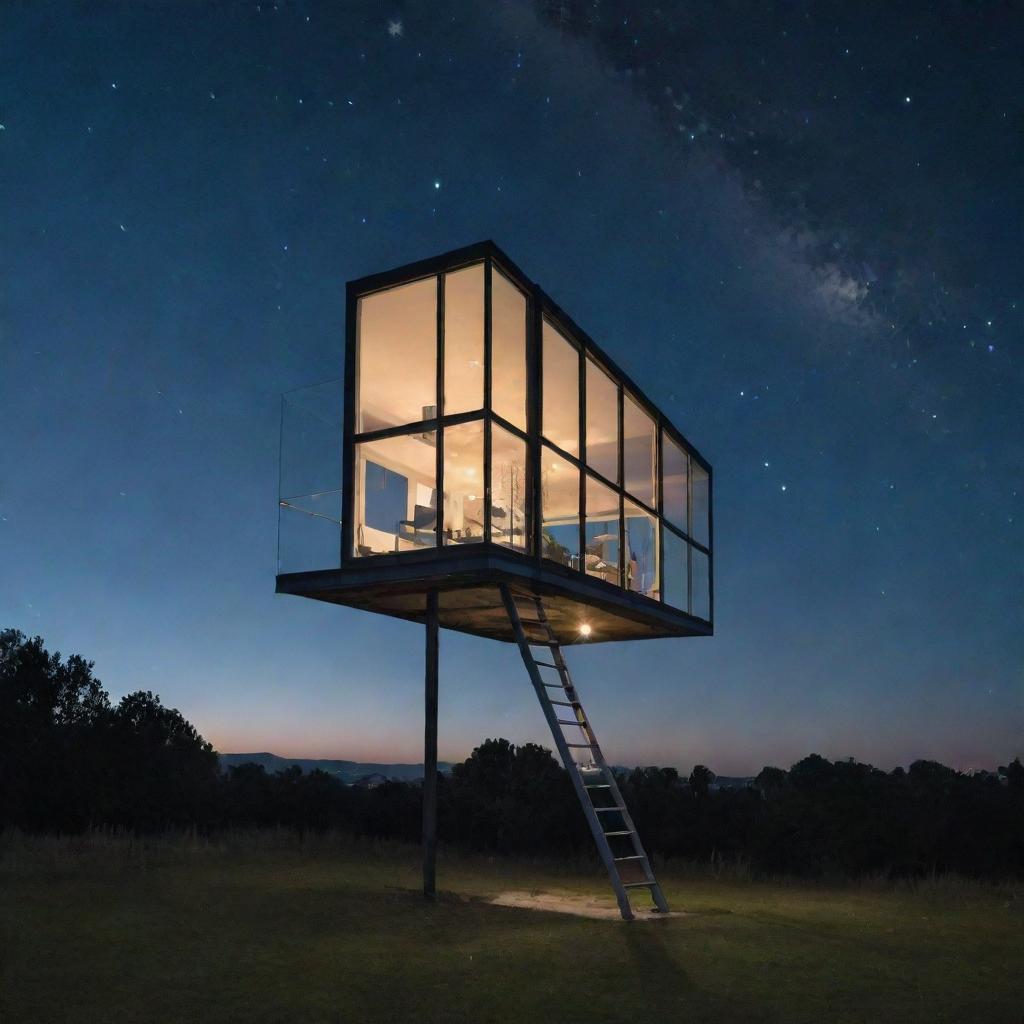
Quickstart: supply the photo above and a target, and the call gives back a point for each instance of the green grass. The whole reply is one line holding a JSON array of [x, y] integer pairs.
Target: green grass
[[263, 928]]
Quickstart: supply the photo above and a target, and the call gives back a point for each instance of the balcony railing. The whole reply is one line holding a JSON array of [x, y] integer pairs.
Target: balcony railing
[[309, 491]]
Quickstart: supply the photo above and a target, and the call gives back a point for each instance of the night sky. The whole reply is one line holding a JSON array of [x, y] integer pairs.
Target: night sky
[[798, 227]]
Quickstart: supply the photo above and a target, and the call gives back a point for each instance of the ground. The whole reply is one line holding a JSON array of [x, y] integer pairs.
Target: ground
[[264, 929]]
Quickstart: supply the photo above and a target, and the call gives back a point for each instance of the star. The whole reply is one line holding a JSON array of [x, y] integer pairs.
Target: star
[[395, 28]]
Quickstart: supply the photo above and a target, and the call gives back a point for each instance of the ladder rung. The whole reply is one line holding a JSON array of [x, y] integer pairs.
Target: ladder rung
[[545, 664], [566, 721], [596, 785], [581, 744], [565, 703], [638, 885], [628, 832], [554, 686], [605, 810], [632, 856]]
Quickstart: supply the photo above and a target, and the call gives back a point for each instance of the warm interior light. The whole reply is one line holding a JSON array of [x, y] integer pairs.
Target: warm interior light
[[585, 629]]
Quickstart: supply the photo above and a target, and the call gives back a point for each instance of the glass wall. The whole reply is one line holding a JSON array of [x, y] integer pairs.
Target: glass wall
[[641, 550], [700, 584], [675, 483], [397, 370], [624, 502], [699, 498], [508, 350], [396, 488], [561, 413], [464, 483], [560, 509], [508, 489], [639, 453], [675, 570], [602, 423], [601, 555], [464, 340]]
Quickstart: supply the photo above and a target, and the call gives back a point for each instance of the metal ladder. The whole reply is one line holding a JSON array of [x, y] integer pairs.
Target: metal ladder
[[624, 858]]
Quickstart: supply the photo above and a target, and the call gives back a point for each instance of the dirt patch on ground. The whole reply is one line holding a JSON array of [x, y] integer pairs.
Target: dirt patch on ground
[[604, 908]]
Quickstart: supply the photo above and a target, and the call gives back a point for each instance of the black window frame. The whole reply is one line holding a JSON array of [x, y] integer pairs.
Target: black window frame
[[539, 307]]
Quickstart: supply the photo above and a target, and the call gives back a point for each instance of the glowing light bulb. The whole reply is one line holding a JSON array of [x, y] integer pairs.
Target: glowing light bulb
[[585, 629]]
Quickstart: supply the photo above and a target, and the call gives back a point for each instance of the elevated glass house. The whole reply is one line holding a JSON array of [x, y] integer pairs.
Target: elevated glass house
[[481, 437]]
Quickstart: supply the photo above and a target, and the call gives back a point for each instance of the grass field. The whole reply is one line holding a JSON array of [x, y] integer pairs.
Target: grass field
[[262, 928]]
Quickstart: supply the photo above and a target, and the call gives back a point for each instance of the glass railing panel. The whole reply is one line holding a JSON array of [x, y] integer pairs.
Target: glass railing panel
[[309, 496]]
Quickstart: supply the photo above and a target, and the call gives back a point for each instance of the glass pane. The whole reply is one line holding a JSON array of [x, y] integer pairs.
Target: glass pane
[[641, 550], [699, 528], [464, 483], [508, 489], [700, 584], [561, 412], [309, 497], [560, 504], [673, 483], [396, 496], [464, 340], [508, 350], [602, 532], [602, 423], [674, 554], [639, 453], [397, 356]]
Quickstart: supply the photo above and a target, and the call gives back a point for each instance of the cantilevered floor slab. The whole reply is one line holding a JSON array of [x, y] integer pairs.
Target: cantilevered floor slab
[[469, 601]]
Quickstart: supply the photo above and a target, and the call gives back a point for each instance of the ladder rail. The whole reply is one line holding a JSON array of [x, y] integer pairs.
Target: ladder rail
[[596, 827], [582, 722]]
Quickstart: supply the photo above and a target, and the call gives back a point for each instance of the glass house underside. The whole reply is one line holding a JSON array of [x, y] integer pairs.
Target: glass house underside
[[485, 439]]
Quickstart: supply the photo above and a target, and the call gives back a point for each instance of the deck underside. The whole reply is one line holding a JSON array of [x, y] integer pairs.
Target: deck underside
[[470, 602]]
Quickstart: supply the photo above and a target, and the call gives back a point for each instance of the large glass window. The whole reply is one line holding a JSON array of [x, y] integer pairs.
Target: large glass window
[[560, 509], [508, 350], [700, 584], [643, 522], [639, 453], [640, 553], [674, 482], [464, 483], [397, 356], [464, 340], [508, 489], [396, 494], [674, 567], [601, 556], [561, 412], [699, 522], [602, 423]]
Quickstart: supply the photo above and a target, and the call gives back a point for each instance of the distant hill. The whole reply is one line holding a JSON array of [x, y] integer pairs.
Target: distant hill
[[347, 771]]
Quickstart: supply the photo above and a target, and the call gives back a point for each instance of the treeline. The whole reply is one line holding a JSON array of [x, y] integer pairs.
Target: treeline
[[71, 760]]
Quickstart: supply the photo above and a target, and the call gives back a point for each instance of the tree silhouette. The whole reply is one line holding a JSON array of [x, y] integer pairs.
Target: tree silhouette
[[700, 780]]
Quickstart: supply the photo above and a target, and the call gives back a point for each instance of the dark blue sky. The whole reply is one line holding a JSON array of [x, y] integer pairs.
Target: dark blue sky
[[798, 229]]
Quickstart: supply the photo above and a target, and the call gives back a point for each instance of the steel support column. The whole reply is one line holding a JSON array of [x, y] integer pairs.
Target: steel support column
[[430, 751]]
